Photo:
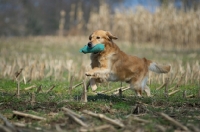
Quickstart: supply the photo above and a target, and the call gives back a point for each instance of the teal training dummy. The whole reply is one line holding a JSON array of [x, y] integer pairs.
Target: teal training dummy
[[95, 49]]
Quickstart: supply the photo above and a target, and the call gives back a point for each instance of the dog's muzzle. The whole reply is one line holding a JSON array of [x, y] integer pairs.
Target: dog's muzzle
[[90, 44]]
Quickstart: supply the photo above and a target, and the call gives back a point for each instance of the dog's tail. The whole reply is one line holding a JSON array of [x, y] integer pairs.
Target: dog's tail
[[158, 68]]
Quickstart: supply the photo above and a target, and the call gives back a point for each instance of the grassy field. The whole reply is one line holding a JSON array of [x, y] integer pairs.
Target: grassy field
[[38, 76]]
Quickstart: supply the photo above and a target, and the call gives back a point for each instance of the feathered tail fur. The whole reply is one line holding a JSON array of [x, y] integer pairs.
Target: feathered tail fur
[[158, 68]]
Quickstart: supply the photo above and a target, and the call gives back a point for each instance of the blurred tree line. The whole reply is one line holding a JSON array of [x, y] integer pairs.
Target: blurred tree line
[[42, 17]]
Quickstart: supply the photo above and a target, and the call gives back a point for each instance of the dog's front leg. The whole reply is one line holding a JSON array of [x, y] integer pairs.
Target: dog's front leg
[[102, 71], [93, 82], [98, 73]]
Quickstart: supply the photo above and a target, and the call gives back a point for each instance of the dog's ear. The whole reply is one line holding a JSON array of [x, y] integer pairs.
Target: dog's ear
[[110, 35]]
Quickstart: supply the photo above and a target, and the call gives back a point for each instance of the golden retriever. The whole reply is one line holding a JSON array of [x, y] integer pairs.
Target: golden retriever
[[112, 64]]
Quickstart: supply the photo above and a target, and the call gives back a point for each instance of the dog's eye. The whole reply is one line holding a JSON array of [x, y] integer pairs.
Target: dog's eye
[[98, 37]]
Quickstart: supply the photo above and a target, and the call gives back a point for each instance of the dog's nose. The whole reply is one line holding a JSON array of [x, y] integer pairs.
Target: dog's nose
[[89, 44]]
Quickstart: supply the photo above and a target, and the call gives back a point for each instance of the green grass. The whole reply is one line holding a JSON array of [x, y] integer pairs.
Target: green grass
[[184, 110], [181, 109]]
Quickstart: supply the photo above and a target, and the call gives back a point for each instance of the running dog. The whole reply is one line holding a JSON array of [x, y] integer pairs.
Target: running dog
[[112, 64]]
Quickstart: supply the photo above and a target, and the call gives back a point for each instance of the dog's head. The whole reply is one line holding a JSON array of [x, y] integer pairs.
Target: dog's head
[[100, 36]]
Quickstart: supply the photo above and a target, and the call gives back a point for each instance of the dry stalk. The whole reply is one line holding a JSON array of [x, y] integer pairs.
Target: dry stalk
[[28, 88], [41, 71], [103, 117], [77, 120], [70, 84], [170, 89], [18, 73], [5, 129], [50, 89], [31, 72], [77, 85], [18, 89], [180, 80], [179, 83], [113, 90], [174, 76], [39, 89], [166, 86], [198, 94], [195, 129], [173, 92], [136, 118], [58, 128], [24, 78], [19, 124], [28, 115], [33, 99], [163, 85], [7, 123], [120, 92], [189, 96], [96, 129], [84, 94], [198, 78], [161, 128], [184, 94], [140, 120], [174, 122], [122, 89], [71, 112]]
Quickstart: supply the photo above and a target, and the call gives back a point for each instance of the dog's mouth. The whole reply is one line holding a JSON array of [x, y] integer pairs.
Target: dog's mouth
[[90, 45]]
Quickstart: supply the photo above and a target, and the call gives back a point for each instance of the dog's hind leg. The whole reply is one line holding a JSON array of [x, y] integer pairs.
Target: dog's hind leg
[[147, 90], [137, 89], [139, 85], [145, 87]]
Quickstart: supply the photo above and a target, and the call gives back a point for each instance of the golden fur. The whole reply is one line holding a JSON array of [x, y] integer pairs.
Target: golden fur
[[112, 64]]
